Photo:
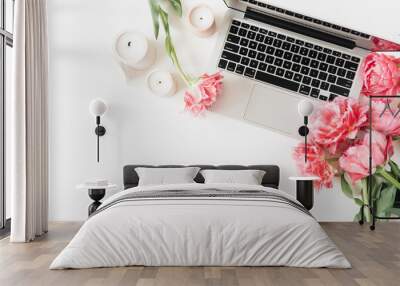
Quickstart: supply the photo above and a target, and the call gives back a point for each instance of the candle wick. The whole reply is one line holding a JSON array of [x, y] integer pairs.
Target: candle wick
[[159, 82], [129, 43]]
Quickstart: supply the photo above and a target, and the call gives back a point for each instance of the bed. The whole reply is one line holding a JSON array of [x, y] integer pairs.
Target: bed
[[198, 224]]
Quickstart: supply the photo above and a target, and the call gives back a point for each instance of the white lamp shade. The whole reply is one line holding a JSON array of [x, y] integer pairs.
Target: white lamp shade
[[305, 108], [97, 107]]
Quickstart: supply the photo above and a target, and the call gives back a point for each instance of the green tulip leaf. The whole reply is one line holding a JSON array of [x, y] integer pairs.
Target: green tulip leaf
[[359, 202], [177, 5], [346, 188], [395, 169], [377, 183], [386, 200], [364, 185], [164, 20], [388, 177], [357, 217], [395, 211], [155, 15], [168, 46]]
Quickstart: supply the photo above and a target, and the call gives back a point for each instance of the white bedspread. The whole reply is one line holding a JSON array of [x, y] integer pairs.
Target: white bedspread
[[203, 232]]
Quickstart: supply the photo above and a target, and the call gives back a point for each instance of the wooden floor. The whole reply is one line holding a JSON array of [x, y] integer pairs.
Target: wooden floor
[[375, 257]]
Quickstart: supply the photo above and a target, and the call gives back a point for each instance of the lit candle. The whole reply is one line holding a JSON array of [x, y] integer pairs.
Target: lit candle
[[202, 21], [161, 83], [134, 50]]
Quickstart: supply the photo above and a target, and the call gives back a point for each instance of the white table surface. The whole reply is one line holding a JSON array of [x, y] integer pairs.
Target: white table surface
[[91, 187], [379, 18]]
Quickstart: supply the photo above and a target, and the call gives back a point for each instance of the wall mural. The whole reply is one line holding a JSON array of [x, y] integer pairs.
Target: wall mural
[[345, 132]]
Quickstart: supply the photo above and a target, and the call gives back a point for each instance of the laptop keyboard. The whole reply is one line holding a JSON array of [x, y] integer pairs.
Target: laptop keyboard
[[287, 62]]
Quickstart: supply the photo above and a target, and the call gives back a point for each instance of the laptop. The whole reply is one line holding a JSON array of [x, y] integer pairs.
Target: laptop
[[273, 58]]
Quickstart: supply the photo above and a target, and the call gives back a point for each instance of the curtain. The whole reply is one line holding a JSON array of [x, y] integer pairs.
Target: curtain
[[27, 122]]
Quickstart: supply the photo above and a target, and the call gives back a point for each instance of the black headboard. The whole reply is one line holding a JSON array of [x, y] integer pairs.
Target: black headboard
[[271, 178]]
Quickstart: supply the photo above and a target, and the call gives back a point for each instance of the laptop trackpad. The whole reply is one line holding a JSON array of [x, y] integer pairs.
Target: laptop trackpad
[[274, 109]]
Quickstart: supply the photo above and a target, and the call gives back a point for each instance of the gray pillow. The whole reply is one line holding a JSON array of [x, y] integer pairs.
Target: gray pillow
[[166, 176], [248, 177]]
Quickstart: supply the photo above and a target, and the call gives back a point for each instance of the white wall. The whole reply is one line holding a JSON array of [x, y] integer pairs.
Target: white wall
[[141, 128]]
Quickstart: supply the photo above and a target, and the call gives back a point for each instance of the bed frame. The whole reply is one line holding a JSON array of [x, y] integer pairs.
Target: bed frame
[[271, 177]]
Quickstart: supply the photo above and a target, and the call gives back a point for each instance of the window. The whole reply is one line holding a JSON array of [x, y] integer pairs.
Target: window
[[6, 44]]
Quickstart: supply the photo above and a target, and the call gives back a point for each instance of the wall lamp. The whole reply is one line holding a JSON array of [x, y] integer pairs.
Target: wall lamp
[[305, 109], [97, 108]]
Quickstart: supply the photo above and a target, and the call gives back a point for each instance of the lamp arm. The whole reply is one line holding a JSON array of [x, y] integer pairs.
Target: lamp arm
[[305, 138], [98, 147], [98, 138], [305, 148], [99, 131]]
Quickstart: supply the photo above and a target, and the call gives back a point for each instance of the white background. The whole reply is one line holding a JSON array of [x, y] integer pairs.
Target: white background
[[141, 127]]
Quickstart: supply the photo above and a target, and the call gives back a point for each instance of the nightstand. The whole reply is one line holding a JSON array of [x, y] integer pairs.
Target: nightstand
[[305, 190], [96, 193]]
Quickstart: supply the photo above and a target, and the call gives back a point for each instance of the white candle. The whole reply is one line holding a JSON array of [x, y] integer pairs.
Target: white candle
[[161, 83], [134, 50], [202, 21]]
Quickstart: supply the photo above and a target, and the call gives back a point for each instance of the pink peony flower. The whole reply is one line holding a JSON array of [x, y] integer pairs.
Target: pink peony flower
[[384, 45], [337, 122], [316, 165], [386, 118], [355, 161], [193, 104], [381, 75], [204, 94]]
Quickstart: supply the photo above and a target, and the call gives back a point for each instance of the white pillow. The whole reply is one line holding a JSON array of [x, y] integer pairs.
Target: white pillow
[[248, 177], [166, 176]]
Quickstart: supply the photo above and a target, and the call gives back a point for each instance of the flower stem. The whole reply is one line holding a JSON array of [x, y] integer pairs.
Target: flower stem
[[170, 48], [366, 201], [381, 171], [186, 78]]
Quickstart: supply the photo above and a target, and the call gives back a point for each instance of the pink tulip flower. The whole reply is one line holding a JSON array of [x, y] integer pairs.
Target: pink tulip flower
[[381, 75], [386, 118], [204, 94], [337, 122], [316, 165], [355, 161]]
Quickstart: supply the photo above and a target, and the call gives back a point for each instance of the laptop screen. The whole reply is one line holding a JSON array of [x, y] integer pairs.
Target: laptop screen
[[300, 23]]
